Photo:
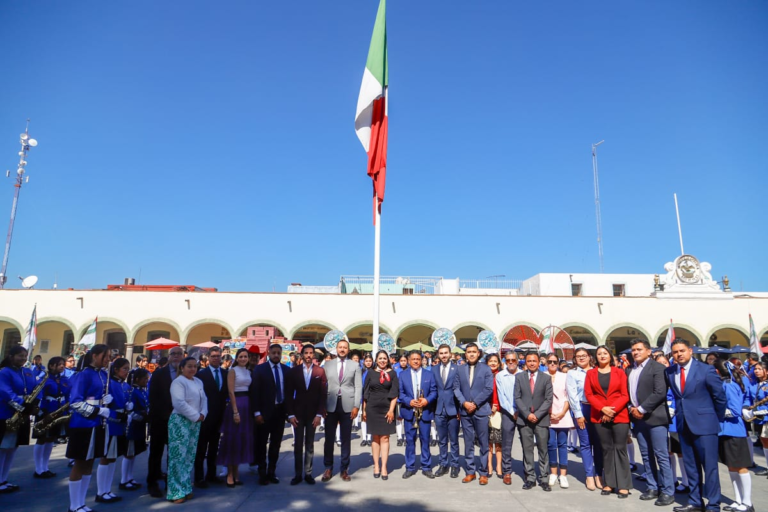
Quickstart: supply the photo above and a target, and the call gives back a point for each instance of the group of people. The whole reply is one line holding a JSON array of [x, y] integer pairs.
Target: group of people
[[679, 409]]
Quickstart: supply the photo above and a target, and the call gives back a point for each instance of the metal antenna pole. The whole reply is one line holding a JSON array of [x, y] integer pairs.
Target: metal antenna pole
[[26, 143], [597, 204]]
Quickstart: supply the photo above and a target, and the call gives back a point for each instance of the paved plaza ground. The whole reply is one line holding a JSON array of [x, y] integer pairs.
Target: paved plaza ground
[[363, 493]]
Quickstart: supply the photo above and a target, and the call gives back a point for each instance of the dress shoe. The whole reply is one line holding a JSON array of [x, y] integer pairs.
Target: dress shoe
[[263, 480], [468, 478], [327, 475], [441, 470], [296, 480], [131, 486], [761, 472], [155, 492], [408, 474], [200, 484], [345, 476], [664, 500], [483, 480], [688, 508], [606, 492], [385, 477], [309, 479], [507, 480], [454, 472], [624, 495], [108, 498], [546, 487], [650, 494], [272, 479], [527, 486], [682, 489], [428, 473], [399, 442]]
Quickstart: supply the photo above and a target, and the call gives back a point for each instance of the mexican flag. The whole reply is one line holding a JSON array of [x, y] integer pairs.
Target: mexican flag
[[667, 349], [371, 117], [30, 336], [87, 341], [754, 342]]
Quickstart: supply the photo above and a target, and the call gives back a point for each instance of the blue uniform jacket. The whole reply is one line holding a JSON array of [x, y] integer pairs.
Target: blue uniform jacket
[[118, 414], [734, 425], [428, 386], [15, 384], [138, 427], [55, 394], [760, 394], [88, 387]]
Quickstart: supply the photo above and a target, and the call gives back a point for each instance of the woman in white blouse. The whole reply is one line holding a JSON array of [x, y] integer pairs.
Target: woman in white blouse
[[190, 407]]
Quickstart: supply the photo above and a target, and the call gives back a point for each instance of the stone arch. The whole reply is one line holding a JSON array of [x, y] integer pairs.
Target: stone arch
[[734, 327], [637, 332], [60, 340], [352, 334], [13, 339], [185, 335], [138, 327], [469, 331], [307, 323], [84, 327], [363, 323], [503, 333], [586, 327], [693, 331], [59, 319], [241, 331], [415, 323], [472, 324]]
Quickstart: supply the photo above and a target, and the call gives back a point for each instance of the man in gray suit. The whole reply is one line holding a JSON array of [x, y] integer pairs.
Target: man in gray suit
[[345, 394], [533, 400]]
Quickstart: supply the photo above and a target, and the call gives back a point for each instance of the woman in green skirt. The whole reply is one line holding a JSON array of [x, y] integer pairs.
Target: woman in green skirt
[[190, 407]]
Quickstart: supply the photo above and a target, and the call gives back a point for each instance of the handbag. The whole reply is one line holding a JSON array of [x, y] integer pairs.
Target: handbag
[[495, 420]]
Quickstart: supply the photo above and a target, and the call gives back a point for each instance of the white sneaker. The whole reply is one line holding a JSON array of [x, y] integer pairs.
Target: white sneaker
[[552, 479], [563, 482]]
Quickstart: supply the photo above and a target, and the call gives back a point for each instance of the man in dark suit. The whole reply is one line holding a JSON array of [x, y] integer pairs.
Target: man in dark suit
[[267, 395], [699, 408], [533, 401], [306, 390], [160, 409], [650, 420], [473, 388], [214, 379], [446, 413], [417, 390]]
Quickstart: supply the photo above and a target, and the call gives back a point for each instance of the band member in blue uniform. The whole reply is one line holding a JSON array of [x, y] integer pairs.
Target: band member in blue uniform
[[117, 442], [418, 392], [137, 427], [89, 402], [55, 395], [16, 384]]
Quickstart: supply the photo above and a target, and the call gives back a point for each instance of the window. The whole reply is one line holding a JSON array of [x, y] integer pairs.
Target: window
[[44, 346], [576, 289], [68, 344], [618, 290]]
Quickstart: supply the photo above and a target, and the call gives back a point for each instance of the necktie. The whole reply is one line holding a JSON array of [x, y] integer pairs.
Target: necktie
[[682, 380], [445, 374], [533, 385], [278, 389], [341, 370], [217, 377], [471, 375]]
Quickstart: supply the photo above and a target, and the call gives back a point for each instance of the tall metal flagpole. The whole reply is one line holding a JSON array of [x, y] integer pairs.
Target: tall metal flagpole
[[679, 231], [26, 143], [597, 204], [376, 275]]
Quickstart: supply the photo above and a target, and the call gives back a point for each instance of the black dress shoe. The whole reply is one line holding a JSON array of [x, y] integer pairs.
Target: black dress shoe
[[296, 480], [309, 479], [106, 498], [399, 442], [650, 494], [454, 472], [761, 472], [623, 495], [688, 508], [408, 474], [528, 485], [664, 500], [429, 474], [441, 470], [545, 486], [605, 493], [273, 479]]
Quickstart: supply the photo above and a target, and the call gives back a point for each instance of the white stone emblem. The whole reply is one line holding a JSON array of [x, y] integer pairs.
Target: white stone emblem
[[688, 269]]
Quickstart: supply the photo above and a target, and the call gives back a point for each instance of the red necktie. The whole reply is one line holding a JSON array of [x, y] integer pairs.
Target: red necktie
[[533, 385], [682, 380]]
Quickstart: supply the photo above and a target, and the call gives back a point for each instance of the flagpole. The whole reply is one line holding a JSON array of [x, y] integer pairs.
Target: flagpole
[[376, 275], [679, 231]]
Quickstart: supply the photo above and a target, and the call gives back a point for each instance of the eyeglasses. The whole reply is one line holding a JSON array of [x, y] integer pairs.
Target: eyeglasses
[[511, 361], [582, 356], [551, 362]]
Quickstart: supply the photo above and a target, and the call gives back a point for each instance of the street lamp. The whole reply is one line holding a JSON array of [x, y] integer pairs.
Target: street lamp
[[26, 143]]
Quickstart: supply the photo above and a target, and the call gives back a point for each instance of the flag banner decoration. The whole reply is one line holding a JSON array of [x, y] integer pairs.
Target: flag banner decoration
[[667, 349], [87, 341], [30, 336], [754, 341], [372, 107]]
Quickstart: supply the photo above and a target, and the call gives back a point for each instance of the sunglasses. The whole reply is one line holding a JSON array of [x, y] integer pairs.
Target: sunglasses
[[511, 360], [551, 362]]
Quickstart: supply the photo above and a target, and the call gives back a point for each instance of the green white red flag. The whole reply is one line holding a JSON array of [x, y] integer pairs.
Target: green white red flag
[[30, 336], [754, 341], [87, 341], [667, 349], [372, 106]]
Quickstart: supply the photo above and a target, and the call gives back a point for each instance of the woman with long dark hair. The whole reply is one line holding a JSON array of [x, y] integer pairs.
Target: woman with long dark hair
[[733, 441], [380, 391], [237, 428], [494, 424], [359, 421], [55, 395], [589, 443], [16, 383], [606, 390], [117, 442], [89, 402], [137, 427]]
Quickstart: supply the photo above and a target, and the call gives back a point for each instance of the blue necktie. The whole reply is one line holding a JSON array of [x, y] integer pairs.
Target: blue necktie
[[278, 390]]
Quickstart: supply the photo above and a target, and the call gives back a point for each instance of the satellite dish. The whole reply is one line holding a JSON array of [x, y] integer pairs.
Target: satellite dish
[[32, 142], [28, 282]]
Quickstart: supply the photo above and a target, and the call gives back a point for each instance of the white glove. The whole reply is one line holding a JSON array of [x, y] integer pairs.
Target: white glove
[[104, 412], [728, 413], [129, 406], [747, 415], [671, 413], [107, 399], [761, 413]]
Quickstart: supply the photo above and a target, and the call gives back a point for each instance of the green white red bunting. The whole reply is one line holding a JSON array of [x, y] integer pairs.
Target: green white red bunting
[[372, 106]]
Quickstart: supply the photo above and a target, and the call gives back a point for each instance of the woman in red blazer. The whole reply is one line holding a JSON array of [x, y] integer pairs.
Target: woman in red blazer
[[605, 388]]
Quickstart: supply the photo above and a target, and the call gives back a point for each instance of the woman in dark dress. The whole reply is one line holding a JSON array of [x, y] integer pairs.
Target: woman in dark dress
[[379, 399]]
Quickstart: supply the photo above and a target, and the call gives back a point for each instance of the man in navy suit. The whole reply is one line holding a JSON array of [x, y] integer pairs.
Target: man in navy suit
[[416, 381], [214, 379], [699, 408], [473, 388], [267, 394], [446, 413]]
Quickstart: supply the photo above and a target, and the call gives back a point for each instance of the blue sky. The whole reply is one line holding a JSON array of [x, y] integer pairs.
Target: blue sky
[[212, 143]]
